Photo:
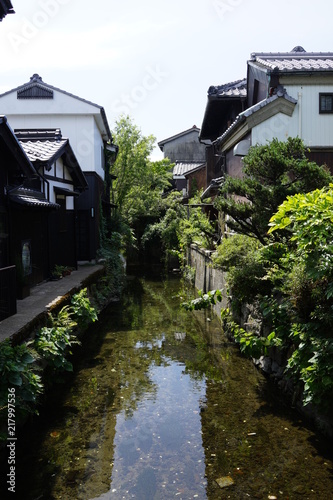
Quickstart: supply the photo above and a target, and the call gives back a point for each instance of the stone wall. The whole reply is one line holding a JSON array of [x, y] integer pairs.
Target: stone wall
[[206, 276]]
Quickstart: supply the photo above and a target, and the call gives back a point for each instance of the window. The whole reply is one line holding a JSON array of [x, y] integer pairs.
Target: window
[[255, 91], [326, 103], [26, 258]]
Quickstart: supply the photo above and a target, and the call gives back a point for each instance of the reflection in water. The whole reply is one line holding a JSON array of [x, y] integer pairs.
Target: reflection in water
[[162, 406], [158, 449]]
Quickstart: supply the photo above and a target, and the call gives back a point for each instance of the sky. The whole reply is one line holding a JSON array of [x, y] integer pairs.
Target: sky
[[153, 60]]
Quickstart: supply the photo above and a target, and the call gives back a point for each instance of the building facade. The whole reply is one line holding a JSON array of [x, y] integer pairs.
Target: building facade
[[285, 94], [188, 154], [38, 105]]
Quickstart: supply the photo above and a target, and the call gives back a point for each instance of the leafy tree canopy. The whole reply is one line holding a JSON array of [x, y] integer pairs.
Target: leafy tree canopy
[[304, 279], [271, 173], [308, 218], [181, 225], [140, 181]]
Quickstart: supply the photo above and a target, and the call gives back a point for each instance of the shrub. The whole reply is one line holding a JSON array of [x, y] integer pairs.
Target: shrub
[[239, 256], [53, 342], [82, 309], [17, 369]]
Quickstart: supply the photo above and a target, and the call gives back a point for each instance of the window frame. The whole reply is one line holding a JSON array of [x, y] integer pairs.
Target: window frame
[[325, 111]]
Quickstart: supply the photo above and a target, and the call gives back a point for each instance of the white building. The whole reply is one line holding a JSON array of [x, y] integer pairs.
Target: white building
[[38, 105]]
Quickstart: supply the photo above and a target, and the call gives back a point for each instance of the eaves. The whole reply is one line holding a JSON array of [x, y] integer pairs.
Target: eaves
[[238, 133], [253, 116], [306, 79]]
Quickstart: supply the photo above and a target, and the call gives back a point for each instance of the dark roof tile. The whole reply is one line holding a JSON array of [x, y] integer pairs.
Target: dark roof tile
[[5, 8], [237, 88], [183, 167], [30, 198], [281, 94]]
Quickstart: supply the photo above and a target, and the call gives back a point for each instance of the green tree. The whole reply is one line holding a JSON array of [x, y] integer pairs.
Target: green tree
[[239, 256], [180, 225], [271, 173], [167, 227], [303, 272], [140, 182]]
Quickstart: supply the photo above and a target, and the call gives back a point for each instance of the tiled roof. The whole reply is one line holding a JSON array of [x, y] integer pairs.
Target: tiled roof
[[296, 60], [35, 91], [213, 188], [5, 8], [30, 198], [237, 88], [281, 94], [43, 151], [183, 168], [45, 146]]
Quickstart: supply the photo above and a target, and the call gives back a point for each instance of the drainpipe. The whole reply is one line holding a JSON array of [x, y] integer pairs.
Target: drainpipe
[[299, 95]]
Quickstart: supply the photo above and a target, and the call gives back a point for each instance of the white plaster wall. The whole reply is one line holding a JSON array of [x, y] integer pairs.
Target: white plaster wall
[[68, 176], [279, 126], [69, 199], [60, 104], [59, 170], [82, 132], [313, 128], [74, 117]]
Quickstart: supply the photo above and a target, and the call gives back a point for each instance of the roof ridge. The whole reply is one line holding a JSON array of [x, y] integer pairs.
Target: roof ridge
[[36, 134], [288, 55], [235, 83], [37, 80]]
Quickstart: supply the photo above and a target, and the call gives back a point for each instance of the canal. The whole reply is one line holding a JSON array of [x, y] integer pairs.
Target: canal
[[160, 406]]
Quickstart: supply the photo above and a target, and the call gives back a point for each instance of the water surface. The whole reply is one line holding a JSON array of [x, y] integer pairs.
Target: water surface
[[162, 406]]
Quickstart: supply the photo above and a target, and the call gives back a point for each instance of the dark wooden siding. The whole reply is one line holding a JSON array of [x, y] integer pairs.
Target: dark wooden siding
[[7, 292], [322, 158], [62, 238], [257, 85], [88, 206], [197, 180], [30, 226]]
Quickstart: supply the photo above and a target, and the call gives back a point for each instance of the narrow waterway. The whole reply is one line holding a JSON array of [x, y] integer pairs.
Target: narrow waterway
[[162, 406]]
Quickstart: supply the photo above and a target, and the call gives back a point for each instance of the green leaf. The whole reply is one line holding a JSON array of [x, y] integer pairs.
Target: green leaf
[[15, 379]]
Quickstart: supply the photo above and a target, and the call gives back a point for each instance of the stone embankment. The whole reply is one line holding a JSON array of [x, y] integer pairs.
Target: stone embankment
[[44, 298], [208, 278]]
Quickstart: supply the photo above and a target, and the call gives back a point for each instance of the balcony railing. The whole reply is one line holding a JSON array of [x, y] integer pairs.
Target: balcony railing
[[7, 292]]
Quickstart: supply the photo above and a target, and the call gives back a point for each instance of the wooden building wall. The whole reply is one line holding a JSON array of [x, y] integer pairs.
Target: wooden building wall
[[29, 226], [88, 206]]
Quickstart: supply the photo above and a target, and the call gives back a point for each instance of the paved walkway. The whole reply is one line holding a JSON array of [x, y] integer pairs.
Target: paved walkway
[[42, 298]]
